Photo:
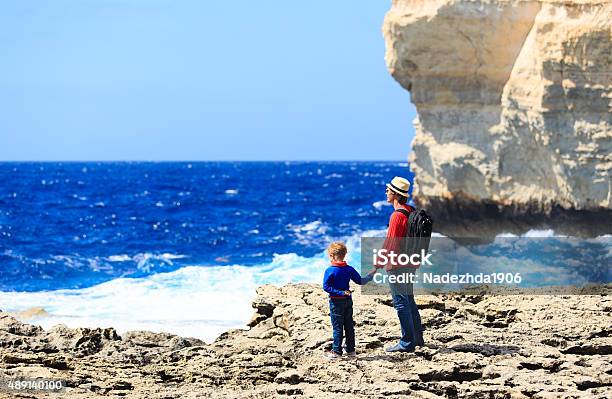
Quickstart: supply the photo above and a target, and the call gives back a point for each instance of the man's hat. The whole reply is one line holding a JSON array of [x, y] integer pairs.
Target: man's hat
[[399, 185]]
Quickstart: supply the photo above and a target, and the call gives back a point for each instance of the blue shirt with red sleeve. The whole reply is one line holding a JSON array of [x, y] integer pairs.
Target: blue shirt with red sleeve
[[338, 276]]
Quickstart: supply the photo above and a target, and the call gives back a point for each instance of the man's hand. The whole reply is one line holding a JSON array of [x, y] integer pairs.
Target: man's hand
[[373, 271], [347, 293]]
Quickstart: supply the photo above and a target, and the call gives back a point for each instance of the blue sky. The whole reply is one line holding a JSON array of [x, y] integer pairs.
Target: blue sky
[[198, 80]]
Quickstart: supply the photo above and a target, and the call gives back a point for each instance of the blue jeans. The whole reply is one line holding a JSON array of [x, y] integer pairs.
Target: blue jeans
[[408, 314], [341, 312]]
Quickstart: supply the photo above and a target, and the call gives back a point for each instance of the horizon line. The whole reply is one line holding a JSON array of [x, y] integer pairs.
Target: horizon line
[[202, 161]]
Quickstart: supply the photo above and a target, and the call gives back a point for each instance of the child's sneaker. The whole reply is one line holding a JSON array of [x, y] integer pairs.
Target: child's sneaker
[[331, 355], [351, 354]]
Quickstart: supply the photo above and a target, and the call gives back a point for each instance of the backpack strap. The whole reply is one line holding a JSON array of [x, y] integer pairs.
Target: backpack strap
[[410, 215], [404, 212]]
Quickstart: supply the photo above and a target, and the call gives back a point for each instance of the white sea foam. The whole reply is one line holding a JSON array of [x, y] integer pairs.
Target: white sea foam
[[199, 301], [379, 204], [163, 257], [119, 258], [505, 235], [311, 232], [539, 233], [532, 234], [231, 191], [312, 226]]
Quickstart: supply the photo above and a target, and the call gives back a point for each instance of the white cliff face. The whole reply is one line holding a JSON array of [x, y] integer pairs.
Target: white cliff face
[[513, 101]]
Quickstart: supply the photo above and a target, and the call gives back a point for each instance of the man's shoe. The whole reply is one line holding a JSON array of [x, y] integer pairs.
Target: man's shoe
[[398, 348], [351, 354], [331, 355]]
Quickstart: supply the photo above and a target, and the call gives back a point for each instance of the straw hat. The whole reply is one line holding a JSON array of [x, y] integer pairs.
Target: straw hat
[[399, 185]]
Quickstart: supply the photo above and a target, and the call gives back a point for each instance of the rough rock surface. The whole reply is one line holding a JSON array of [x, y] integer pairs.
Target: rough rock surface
[[477, 347], [514, 103]]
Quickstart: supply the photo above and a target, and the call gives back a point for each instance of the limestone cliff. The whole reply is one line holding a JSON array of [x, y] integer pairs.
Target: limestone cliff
[[514, 108]]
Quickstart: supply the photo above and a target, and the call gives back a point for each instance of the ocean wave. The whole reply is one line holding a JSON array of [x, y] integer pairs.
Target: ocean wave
[[309, 233], [533, 234], [380, 204], [198, 300], [36, 273]]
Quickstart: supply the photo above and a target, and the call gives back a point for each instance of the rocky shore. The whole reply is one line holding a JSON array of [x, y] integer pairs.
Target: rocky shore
[[477, 347]]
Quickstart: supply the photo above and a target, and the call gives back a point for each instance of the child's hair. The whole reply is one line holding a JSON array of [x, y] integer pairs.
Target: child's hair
[[337, 250]]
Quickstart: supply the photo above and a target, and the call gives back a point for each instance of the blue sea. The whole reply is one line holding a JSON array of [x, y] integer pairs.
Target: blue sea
[[181, 247], [176, 246]]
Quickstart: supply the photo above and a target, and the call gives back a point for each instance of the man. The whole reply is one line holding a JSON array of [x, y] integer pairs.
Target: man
[[402, 293]]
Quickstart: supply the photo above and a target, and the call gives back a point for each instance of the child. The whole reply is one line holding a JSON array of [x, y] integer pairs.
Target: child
[[336, 284]]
